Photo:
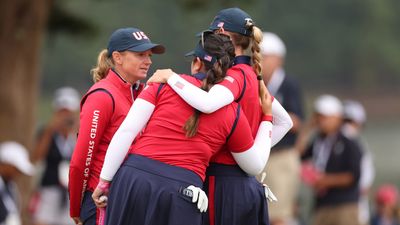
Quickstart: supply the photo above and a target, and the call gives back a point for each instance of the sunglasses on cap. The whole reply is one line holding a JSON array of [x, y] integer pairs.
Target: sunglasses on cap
[[202, 36], [200, 52]]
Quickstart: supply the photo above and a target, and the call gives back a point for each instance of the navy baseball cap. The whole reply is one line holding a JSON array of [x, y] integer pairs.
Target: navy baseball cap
[[234, 20], [132, 39], [200, 52]]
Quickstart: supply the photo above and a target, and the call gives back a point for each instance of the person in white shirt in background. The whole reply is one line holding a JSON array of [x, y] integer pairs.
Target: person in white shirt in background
[[354, 121], [14, 161]]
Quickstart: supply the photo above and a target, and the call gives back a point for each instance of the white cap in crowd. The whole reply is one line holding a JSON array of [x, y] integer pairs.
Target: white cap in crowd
[[16, 155], [328, 105], [354, 111], [272, 45], [66, 98]]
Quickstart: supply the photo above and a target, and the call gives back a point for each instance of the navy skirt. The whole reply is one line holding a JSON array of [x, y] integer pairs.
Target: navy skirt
[[235, 198], [149, 192], [88, 209]]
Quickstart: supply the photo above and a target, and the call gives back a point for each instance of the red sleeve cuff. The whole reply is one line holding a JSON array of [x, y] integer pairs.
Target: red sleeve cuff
[[267, 118]]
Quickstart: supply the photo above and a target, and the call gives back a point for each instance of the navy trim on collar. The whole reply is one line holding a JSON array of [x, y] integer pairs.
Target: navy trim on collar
[[242, 59], [200, 76], [119, 75]]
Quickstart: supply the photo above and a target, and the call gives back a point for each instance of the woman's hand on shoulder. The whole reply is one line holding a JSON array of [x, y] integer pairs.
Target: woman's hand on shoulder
[[161, 76]]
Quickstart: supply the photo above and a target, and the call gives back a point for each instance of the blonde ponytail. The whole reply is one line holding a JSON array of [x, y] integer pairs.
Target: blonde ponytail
[[256, 58], [104, 63]]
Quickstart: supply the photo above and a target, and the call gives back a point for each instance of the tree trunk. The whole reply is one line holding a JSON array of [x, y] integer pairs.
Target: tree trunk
[[22, 28]]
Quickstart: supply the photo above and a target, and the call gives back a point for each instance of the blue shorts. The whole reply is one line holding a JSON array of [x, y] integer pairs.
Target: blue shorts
[[149, 192], [235, 198]]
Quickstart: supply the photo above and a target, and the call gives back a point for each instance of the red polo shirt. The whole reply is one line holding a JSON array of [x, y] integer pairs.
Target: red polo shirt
[[103, 109], [164, 139], [250, 102]]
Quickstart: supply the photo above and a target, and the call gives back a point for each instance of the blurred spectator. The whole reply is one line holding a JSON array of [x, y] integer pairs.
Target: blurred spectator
[[282, 170], [14, 161], [354, 120], [54, 146], [336, 162], [386, 199]]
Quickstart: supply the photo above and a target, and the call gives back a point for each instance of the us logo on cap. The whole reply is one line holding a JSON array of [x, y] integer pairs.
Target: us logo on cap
[[208, 58], [140, 35], [221, 25]]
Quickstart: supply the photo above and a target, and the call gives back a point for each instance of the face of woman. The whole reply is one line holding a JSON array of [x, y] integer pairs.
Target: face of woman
[[133, 66]]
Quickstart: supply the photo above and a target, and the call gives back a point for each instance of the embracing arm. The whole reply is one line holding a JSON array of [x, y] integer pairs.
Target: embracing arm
[[219, 96], [206, 102], [137, 118], [254, 159], [282, 122]]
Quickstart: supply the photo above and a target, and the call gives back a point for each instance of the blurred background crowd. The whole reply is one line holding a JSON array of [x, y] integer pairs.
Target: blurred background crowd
[[334, 66]]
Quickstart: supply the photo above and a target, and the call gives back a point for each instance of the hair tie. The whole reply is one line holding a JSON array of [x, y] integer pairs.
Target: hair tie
[[259, 77]]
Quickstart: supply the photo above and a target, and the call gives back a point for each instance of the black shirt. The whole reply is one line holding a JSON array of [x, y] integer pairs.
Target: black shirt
[[289, 95], [345, 156], [53, 159]]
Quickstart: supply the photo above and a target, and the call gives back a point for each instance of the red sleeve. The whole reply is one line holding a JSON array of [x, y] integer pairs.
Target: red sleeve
[[241, 138], [149, 93], [234, 82], [94, 117]]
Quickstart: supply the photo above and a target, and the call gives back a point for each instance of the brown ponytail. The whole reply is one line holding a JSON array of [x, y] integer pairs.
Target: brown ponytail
[[222, 48], [256, 57], [104, 63]]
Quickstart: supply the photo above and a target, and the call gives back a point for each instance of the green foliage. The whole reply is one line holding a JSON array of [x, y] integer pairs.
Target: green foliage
[[332, 43], [62, 20]]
